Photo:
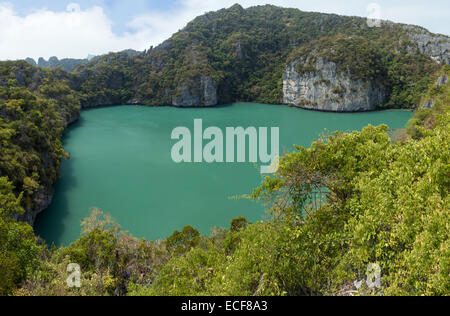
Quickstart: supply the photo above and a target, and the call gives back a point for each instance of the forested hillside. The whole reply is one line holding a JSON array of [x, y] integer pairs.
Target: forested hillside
[[35, 108], [244, 52]]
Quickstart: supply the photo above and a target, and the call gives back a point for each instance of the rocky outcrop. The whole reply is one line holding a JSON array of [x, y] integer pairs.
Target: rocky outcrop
[[200, 92], [43, 200], [326, 89], [67, 64], [72, 119], [31, 61], [434, 45], [430, 100]]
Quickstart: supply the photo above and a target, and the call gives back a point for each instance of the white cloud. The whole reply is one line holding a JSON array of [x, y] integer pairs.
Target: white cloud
[[77, 33], [72, 33], [435, 18]]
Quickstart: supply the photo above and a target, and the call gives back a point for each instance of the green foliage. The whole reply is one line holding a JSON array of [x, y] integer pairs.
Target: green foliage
[[191, 274], [387, 204], [109, 260], [34, 110], [382, 202], [238, 224], [35, 106], [406, 76], [18, 248], [438, 96], [245, 52], [358, 56], [181, 242]]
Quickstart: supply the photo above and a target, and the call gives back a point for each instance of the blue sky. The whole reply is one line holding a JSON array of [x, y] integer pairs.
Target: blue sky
[[119, 11], [76, 28]]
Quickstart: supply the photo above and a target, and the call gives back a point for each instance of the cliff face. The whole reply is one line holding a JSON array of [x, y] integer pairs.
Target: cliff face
[[43, 200], [200, 92], [327, 89], [438, 91], [434, 45]]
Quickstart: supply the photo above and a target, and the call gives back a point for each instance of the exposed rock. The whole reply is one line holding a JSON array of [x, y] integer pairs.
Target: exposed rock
[[44, 197], [328, 90], [73, 119], [434, 45], [43, 200], [442, 80], [67, 64], [238, 50], [135, 101], [31, 61], [42, 62], [166, 45], [201, 92], [209, 91]]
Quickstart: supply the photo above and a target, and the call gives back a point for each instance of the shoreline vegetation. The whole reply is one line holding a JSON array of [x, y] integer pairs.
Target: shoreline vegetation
[[248, 102], [187, 263], [387, 200]]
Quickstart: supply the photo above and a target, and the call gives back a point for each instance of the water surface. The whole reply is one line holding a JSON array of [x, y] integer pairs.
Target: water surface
[[121, 163]]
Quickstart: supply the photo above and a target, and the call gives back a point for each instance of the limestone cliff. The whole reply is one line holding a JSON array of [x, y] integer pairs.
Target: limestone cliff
[[438, 91], [200, 92], [325, 88], [436, 46]]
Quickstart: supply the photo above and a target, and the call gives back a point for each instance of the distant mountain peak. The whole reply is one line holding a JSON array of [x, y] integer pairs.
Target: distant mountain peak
[[54, 62]]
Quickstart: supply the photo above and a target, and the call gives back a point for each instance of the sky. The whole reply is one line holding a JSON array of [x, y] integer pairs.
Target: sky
[[76, 29]]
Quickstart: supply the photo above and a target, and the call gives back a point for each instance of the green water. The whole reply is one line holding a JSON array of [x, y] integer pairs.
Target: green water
[[121, 163]]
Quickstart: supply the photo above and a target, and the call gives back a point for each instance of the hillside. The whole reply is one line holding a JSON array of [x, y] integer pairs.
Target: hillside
[[35, 107], [241, 54]]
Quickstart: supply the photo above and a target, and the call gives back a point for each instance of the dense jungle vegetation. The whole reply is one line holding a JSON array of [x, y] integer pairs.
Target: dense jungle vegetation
[[348, 201], [385, 202], [35, 107], [245, 52]]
